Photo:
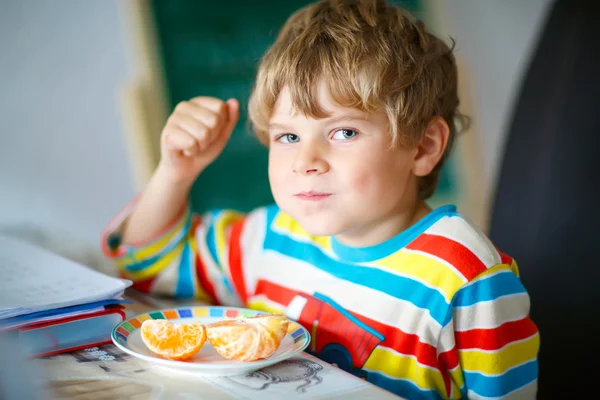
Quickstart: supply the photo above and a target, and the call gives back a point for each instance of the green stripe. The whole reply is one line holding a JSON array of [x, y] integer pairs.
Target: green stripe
[[157, 315], [128, 327]]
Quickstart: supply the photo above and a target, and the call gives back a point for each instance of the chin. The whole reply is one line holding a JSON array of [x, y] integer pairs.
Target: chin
[[318, 225]]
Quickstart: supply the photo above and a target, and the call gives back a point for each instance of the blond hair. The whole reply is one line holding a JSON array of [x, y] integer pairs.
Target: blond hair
[[371, 55]]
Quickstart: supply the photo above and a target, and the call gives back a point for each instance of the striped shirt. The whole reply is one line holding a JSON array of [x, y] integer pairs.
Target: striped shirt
[[434, 312]]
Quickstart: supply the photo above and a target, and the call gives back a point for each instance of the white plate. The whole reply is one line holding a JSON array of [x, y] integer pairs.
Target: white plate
[[126, 336]]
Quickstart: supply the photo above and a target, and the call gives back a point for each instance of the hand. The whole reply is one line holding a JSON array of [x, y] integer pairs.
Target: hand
[[194, 136]]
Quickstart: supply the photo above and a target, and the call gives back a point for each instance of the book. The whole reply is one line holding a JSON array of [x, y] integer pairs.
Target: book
[[52, 304], [69, 333]]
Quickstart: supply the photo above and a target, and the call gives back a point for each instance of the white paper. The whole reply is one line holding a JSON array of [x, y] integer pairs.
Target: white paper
[[33, 279], [304, 377]]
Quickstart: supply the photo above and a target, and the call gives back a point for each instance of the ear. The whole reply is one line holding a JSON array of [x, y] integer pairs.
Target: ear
[[431, 148]]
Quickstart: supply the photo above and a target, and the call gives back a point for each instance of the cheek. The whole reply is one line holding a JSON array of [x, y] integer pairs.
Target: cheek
[[278, 170], [362, 181], [378, 179]]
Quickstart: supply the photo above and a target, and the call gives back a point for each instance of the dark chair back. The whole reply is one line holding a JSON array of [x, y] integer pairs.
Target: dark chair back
[[545, 213]]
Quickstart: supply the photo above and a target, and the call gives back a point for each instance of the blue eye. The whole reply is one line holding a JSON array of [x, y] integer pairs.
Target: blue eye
[[344, 134], [288, 138]]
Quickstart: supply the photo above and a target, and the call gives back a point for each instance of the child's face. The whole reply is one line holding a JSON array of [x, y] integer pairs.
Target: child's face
[[338, 175]]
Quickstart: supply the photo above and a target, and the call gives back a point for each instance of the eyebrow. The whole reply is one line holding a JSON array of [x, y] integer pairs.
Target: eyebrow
[[331, 120]]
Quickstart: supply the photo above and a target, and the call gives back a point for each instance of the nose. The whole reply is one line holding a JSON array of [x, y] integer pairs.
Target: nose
[[309, 159]]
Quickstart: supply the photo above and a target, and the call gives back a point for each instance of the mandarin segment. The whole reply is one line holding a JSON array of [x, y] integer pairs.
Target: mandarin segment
[[173, 341], [248, 338]]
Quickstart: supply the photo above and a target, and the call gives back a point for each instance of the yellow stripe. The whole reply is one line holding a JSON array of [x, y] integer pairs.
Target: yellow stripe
[[500, 361], [159, 245], [200, 312], [153, 269], [261, 305], [142, 318], [514, 268], [455, 391], [491, 271], [426, 269], [400, 366], [124, 261], [458, 381], [224, 220], [288, 225], [152, 249]]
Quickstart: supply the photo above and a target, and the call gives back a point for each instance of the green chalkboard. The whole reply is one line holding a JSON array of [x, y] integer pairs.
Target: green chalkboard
[[211, 48]]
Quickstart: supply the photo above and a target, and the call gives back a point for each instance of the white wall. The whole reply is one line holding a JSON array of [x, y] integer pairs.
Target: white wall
[[494, 38], [63, 161]]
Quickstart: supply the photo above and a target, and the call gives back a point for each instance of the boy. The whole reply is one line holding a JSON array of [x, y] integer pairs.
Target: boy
[[357, 103]]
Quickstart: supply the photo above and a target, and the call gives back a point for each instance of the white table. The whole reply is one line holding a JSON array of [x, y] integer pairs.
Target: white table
[[106, 372]]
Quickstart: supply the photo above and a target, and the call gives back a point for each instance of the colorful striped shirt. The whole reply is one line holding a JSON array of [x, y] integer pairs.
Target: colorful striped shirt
[[436, 312]]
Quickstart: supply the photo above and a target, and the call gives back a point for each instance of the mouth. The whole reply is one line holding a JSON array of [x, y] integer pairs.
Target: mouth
[[312, 196]]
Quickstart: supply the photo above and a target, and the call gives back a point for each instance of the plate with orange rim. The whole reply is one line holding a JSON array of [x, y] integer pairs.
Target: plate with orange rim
[[127, 336]]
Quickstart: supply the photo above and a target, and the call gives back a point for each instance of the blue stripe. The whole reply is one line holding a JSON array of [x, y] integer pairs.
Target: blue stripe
[[502, 284], [185, 312], [210, 241], [382, 250], [297, 332], [396, 286], [185, 283], [150, 261], [216, 312], [121, 339], [351, 317], [402, 387], [271, 212], [498, 386]]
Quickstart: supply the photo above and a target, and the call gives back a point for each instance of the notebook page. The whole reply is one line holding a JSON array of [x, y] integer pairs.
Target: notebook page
[[32, 278]]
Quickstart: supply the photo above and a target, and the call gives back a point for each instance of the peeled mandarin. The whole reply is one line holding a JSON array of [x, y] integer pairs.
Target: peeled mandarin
[[248, 338], [174, 342]]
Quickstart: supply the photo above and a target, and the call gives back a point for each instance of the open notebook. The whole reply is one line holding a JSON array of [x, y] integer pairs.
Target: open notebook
[[33, 279]]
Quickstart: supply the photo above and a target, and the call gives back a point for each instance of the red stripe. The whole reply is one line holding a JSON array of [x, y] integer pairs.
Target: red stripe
[[460, 257], [505, 259], [448, 359], [447, 382], [145, 285], [203, 280], [493, 339], [235, 260], [122, 331], [205, 283], [276, 293], [395, 338]]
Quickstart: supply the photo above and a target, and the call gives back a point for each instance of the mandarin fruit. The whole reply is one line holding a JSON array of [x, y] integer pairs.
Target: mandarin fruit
[[174, 342], [248, 338]]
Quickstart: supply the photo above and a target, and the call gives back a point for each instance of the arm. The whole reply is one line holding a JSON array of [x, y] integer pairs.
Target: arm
[[194, 136], [193, 256], [153, 241], [489, 347]]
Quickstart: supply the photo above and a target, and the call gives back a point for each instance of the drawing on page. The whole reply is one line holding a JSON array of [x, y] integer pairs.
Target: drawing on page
[[304, 373], [108, 357]]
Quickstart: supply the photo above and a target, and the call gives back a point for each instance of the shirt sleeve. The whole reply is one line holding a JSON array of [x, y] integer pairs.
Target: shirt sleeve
[[490, 345], [194, 256]]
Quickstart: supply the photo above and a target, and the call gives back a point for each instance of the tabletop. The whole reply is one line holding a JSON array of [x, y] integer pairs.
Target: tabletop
[[105, 372]]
